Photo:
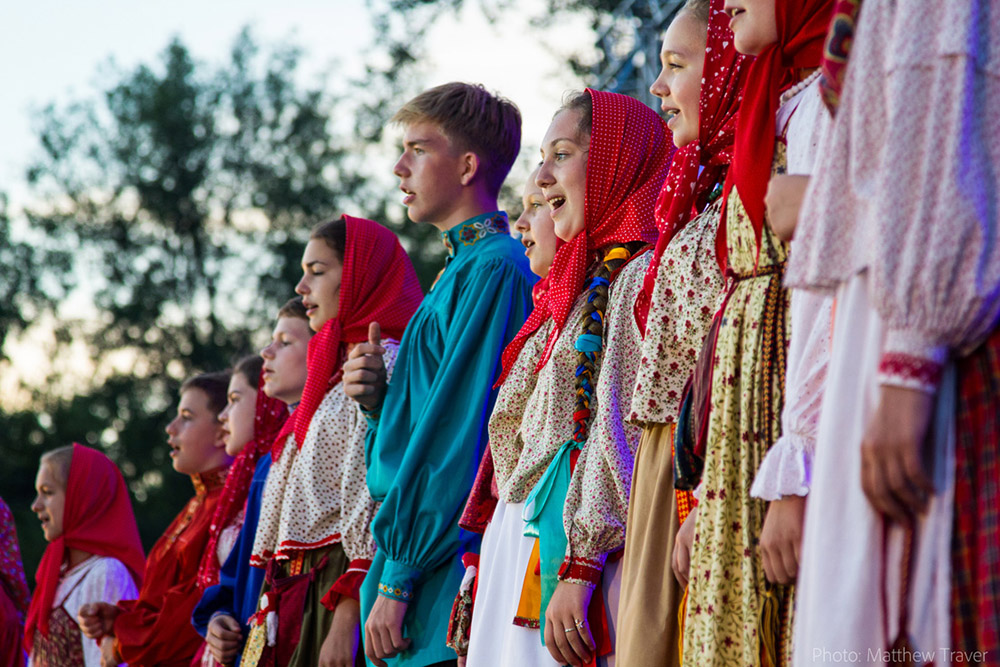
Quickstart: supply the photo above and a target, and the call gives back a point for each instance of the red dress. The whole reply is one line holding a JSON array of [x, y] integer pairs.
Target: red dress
[[14, 593], [156, 629]]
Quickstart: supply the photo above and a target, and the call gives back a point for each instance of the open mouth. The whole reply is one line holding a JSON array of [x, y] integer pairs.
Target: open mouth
[[555, 203], [670, 113], [734, 12], [310, 308], [410, 195]]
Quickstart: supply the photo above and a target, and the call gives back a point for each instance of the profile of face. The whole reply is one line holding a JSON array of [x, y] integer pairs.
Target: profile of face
[[285, 360], [678, 86], [50, 502], [237, 418], [538, 234], [562, 176], [195, 434], [753, 23], [319, 287], [431, 174]]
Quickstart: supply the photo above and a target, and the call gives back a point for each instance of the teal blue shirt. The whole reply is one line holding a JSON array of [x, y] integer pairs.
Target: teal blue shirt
[[423, 450]]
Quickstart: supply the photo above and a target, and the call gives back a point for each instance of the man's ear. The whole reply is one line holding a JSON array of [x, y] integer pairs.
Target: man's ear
[[470, 167]]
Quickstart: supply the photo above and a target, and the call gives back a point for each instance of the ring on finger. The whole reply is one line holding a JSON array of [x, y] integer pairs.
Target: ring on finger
[[570, 629], [579, 623]]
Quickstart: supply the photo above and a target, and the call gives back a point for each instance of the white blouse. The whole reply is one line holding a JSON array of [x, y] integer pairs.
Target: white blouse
[[786, 468], [97, 579]]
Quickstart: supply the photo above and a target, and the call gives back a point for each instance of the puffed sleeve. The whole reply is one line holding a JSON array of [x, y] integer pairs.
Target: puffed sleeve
[[596, 508], [107, 581], [785, 470], [427, 461]]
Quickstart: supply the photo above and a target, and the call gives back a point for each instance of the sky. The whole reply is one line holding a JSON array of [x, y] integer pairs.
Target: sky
[[52, 51]]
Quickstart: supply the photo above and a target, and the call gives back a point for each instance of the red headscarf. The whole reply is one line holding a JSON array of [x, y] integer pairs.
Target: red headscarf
[[802, 26], [97, 519], [685, 192], [269, 416], [378, 285], [629, 156]]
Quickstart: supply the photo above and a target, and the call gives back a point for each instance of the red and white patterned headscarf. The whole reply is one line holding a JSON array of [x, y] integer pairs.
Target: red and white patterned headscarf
[[269, 416], [686, 192], [630, 150]]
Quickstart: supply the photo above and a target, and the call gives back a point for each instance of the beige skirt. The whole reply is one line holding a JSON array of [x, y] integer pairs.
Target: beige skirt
[[648, 627]]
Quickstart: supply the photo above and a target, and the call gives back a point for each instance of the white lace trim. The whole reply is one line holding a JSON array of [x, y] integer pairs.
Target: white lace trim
[[786, 470]]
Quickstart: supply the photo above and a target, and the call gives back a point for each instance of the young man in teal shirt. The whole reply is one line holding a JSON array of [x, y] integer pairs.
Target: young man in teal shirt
[[427, 429]]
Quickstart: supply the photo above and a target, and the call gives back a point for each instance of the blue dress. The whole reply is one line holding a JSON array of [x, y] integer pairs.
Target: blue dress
[[239, 584], [423, 450]]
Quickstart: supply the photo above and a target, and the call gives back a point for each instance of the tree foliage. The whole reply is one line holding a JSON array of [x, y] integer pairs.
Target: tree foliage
[[169, 212]]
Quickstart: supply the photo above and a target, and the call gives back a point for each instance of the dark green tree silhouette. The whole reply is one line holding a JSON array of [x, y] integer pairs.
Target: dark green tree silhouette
[[172, 208]]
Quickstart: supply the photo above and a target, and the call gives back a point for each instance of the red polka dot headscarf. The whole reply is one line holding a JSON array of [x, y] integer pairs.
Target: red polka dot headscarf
[[628, 159], [701, 165]]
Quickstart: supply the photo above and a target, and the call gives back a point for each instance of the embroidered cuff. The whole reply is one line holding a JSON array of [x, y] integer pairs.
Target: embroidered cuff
[[372, 416], [910, 360], [348, 584], [583, 571], [398, 581], [785, 470]]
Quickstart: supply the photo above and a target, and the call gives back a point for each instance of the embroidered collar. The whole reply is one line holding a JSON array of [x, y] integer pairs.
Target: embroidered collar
[[474, 230], [209, 481]]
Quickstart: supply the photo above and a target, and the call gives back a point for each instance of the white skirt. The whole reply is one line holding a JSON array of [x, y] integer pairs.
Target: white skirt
[[494, 639], [839, 610]]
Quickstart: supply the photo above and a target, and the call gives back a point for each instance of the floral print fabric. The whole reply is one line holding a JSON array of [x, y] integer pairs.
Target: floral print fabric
[[316, 496], [533, 414], [596, 507], [726, 579], [687, 293]]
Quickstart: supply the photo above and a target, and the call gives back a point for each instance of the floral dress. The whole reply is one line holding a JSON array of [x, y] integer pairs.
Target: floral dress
[[727, 583]]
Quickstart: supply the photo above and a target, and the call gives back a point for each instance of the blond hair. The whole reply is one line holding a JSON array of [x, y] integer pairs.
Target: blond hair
[[473, 119]]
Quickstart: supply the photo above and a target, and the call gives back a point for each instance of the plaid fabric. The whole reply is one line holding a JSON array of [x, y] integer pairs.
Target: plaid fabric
[[976, 537]]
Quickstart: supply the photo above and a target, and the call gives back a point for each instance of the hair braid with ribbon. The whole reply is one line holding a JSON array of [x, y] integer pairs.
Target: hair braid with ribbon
[[590, 343]]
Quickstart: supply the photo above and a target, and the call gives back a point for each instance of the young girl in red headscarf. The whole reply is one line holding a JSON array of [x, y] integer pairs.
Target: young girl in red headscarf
[[604, 159], [733, 614], [314, 536], [700, 86], [94, 553]]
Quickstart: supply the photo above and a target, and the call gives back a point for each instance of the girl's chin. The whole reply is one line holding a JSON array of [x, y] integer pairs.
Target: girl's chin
[[568, 231]]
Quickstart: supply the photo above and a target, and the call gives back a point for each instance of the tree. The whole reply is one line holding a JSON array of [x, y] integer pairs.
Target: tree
[[172, 209], [626, 32]]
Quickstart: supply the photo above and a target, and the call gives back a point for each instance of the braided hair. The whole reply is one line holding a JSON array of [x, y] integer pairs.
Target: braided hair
[[590, 342]]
